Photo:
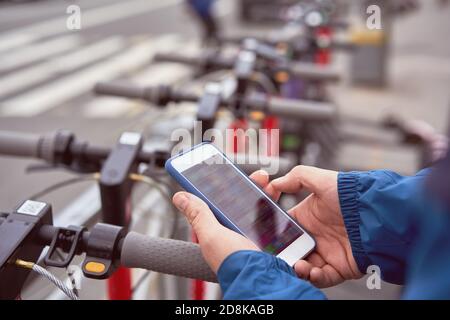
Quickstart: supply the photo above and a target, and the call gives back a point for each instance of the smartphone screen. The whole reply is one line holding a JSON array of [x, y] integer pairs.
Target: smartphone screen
[[243, 204]]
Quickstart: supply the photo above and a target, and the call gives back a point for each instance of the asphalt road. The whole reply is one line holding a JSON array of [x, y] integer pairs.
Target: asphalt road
[[50, 76]]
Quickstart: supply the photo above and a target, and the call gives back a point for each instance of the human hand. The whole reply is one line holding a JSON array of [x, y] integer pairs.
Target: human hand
[[332, 262], [216, 241]]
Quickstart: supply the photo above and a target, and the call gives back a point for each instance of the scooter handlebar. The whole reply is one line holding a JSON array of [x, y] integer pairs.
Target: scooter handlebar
[[175, 257], [292, 108], [313, 71], [18, 144]]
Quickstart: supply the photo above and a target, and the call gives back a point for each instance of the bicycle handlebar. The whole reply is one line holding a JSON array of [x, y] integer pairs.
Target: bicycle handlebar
[[310, 110], [305, 70], [171, 57], [289, 39], [61, 147], [121, 90], [313, 71], [302, 109], [105, 243], [25, 145], [159, 95], [175, 257]]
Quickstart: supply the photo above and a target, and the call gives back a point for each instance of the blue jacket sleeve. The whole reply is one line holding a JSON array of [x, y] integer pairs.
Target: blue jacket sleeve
[[378, 208], [428, 275], [255, 275]]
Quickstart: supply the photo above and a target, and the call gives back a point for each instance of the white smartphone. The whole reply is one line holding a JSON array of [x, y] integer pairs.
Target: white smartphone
[[238, 203]]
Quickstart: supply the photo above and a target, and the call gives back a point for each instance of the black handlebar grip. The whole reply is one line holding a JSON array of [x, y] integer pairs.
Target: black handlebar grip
[[29, 145], [175, 257], [20, 144], [313, 71], [176, 58], [160, 95], [293, 108], [120, 90], [302, 109]]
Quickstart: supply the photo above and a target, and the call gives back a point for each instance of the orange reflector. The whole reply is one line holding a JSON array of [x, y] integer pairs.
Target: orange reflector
[[256, 115], [95, 267], [282, 76]]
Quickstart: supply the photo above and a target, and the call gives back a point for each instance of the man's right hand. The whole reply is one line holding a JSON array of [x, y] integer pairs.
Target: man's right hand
[[332, 262]]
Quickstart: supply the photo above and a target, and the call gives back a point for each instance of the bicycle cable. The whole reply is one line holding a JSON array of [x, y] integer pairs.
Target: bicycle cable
[[155, 183], [65, 183], [49, 276]]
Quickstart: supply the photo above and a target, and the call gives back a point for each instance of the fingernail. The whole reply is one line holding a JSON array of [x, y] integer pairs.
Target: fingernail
[[181, 201]]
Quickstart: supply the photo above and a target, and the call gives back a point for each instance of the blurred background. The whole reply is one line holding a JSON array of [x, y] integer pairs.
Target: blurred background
[[392, 95]]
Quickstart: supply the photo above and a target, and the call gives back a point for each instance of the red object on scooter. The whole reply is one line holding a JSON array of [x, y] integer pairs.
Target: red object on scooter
[[119, 285], [323, 55]]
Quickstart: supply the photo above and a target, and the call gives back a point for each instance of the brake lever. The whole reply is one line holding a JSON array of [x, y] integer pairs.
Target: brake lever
[[35, 168]]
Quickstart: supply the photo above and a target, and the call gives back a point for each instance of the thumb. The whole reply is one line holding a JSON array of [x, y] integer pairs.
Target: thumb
[[313, 179], [216, 241], [199, 215]]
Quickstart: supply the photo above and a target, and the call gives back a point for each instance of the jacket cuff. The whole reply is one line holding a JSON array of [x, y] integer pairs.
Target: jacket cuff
[[233, 265], [249, 275], [348, 190]]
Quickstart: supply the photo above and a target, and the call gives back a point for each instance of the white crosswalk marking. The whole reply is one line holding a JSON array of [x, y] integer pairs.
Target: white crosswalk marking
[[164, 73], [15, 40], [37, 10], [223, 8], [90, 18], [36, 52], [44, 71], [51, 95], [106, 107], [112, 107]]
